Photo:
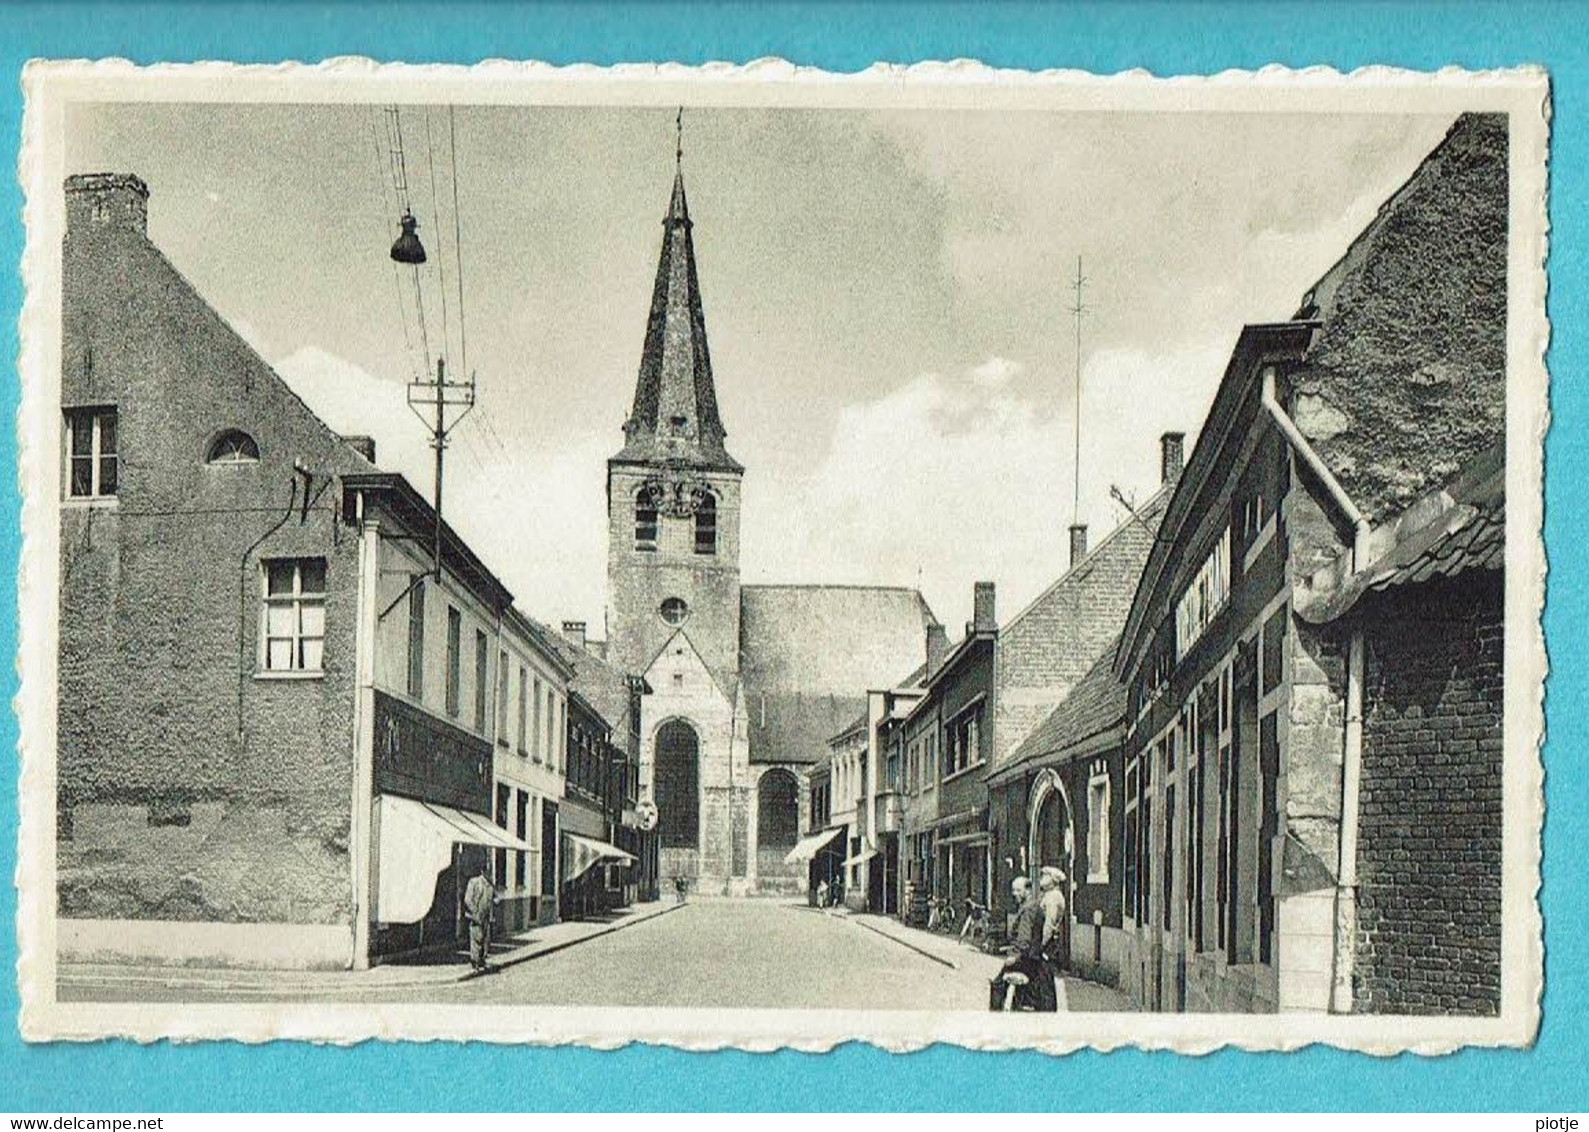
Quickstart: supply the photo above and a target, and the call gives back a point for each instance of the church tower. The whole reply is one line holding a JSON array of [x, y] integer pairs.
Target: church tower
[[673, 491]]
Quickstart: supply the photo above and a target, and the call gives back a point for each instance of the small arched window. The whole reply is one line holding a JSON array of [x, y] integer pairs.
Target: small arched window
[[645, 520], [233, 447], [706, 524]]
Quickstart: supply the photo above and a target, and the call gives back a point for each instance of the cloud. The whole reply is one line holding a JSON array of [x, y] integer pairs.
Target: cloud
[[995, 373], [537, 518], [943, 481]]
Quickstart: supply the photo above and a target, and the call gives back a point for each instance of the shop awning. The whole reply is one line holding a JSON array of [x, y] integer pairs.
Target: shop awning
[[585, 853], [810, 845], [416, 840], [860, 858]]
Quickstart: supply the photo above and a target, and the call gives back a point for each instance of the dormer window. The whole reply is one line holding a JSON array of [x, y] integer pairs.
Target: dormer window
[[233, 447], [706, 524]]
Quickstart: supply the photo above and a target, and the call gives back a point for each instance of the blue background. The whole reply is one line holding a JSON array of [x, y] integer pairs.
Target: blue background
[[1166, 38]]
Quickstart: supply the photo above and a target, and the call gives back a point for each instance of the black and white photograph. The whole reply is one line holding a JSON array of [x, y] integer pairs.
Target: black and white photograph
[[757, 558]]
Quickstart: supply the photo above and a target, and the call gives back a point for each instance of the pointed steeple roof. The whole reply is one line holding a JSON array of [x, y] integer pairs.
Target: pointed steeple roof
[[675, 414]]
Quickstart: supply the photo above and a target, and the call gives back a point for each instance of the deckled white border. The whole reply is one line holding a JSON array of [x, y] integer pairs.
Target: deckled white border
[[1522, 92]]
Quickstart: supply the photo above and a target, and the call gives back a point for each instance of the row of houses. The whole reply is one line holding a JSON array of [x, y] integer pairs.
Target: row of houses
[[1259, 724], [295, 711]]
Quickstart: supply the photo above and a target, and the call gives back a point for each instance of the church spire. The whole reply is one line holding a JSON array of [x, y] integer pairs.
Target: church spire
[[675, 414]]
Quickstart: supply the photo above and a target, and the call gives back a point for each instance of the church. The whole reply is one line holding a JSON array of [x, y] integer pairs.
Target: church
[[744, 683]]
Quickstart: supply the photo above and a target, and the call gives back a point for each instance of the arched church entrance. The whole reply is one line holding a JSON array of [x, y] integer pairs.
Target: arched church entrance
[[1052, 845], [676, 787]]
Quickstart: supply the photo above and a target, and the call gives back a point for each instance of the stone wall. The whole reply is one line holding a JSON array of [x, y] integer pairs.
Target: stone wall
[[1429, 849], [190, 788]]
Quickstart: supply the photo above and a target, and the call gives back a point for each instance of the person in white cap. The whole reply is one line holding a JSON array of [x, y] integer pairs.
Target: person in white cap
[[1051, 896]]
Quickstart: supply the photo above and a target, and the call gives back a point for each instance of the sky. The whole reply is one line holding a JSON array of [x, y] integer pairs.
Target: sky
[[887, 295]]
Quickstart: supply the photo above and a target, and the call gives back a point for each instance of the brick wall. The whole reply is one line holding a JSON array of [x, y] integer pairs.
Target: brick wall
[[1429, 850], [1053, 642], [189, 789]]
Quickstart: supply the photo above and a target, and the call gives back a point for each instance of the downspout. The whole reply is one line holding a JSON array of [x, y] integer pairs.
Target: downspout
[[1341, 998]]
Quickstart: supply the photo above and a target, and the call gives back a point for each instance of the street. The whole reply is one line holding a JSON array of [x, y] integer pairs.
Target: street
[[712, 953]]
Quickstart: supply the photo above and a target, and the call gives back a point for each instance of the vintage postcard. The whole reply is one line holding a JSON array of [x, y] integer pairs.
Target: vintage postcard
[[751, 557]]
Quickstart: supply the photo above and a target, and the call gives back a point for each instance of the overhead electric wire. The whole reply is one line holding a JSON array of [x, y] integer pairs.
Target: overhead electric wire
[[457, 234], [441, 265], [383, 164]]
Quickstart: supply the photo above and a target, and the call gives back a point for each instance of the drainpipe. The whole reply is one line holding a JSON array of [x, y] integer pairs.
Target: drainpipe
[[1352, 745]]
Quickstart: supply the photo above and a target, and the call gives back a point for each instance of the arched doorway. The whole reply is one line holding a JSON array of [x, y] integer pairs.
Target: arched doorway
[[778, 810], [1053, 842], [676, 785]]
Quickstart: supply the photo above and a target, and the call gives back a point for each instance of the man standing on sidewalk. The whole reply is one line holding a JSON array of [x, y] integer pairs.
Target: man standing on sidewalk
[[1050, 881], [479, 903]]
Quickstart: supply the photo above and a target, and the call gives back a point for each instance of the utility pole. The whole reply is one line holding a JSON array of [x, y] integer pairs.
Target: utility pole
[[1078, 308], [438, 396]]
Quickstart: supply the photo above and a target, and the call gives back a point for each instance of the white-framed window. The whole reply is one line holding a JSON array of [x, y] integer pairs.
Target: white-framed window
[[416, 640], [292, 619], [1205, 597], [1098, 828], [92, 464]]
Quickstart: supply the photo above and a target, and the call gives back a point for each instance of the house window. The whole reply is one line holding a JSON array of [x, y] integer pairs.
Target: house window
[[504, 800], [294, 614], [524, 708], [454, 660], [482, 679], [416, 639], [706, 524], [233, 447], [91, 453], [1129, 831], [502, 698], [1098, 829], [645, 522], [522, 829], [963, 748], [536, 731]]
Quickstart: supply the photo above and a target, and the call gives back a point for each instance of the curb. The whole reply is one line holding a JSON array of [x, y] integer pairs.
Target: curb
[[504, 964], [172, 984], [950, 963]]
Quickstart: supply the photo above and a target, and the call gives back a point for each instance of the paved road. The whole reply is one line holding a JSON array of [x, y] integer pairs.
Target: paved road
[[709, 953], [723, 953]]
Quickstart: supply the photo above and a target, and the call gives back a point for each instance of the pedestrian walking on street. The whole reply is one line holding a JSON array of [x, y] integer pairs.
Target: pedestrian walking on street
[[822, 894], [1026, 956], [479, 904]]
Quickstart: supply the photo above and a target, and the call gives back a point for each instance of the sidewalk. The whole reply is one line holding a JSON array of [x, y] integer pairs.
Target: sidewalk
[[1076, 993], [510, 952]]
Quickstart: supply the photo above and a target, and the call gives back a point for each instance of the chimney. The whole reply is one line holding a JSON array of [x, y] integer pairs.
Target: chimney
[[363, 445], [97, 203], [1172, 456], [575, 631], [937, 646], [1078, 542], [982, 618]]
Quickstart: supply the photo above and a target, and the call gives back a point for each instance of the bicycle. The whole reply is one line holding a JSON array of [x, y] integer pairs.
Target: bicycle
[[978, 926]]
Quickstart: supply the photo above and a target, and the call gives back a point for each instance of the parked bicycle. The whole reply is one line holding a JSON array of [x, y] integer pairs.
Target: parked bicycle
[[977, 929]]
